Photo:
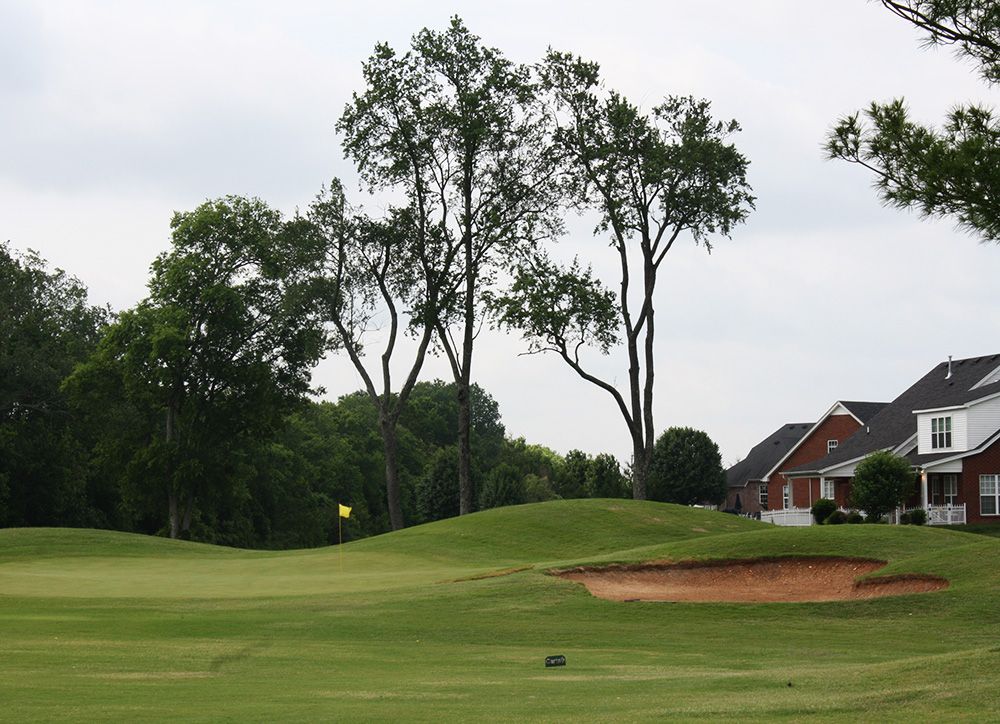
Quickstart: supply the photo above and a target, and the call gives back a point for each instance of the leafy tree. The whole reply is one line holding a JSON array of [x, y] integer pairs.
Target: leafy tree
[[651, 179], [504, 485], [437, 495], [571, 479], [378, 267], [217, 353], [458, 129], [46, 327], [605, 478], [686, 468], [953, 171], [882, 481]]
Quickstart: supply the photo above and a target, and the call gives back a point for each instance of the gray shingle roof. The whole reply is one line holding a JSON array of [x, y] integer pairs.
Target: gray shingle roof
[[864, 411], [765, 454], [895, 423]]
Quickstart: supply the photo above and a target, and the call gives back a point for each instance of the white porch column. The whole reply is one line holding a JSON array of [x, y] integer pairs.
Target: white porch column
[[923, 489]]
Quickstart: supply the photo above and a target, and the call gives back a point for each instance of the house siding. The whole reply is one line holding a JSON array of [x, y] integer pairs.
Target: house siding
[[812, 448], [984, 420], [959, 431], [985, 463]]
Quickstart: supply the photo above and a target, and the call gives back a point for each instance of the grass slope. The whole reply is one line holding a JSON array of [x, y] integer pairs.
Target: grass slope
[[97, 625]]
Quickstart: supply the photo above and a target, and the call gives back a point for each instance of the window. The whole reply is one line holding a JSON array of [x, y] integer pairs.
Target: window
[[950, 489], [989, 488], [826, 489], [935, 490], [762, 495], [831, 445], [784, 496], [940, 432]]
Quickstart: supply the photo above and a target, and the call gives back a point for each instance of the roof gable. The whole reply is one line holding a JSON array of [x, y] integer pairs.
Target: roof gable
[[896, 423], [766, 453]]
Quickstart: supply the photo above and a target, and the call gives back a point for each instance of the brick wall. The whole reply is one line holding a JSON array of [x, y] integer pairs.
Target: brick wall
[[985, 463], [835, 427]]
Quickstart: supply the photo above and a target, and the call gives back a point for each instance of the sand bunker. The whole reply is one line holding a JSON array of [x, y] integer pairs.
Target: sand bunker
[[751, 580]]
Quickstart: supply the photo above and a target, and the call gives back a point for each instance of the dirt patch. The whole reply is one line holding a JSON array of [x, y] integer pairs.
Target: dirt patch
[[750, 580]]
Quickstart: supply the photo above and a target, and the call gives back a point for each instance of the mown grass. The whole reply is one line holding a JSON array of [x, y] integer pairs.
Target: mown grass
[[413, 626]]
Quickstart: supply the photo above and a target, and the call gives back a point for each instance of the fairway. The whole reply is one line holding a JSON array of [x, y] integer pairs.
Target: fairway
[[453, 621]]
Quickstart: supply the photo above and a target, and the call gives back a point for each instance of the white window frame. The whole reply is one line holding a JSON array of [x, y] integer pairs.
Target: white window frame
[[941, 433], [784, 496], [825, 487], [990, 483], [831, 445], [762, 495], [951, 489]]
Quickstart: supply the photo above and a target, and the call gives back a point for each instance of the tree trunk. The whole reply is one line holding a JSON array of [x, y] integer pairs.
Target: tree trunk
[[640, 467], [172, 493], [174, 516], [186, 521], [465, 489], [390, 447]]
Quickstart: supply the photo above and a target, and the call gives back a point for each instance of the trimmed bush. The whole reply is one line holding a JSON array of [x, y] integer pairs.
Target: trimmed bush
[[854, 517], [882, 481], [822, 509], [918, 516], [837, 517], [904, 518]]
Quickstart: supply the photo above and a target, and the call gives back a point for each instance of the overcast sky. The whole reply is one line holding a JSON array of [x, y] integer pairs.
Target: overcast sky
[[115, 114]]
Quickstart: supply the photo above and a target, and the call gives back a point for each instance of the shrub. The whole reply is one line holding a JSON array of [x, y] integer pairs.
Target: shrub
[[854, 517], [837, 517], [918, 516], [822, 509], [881, 482], [904, 518]]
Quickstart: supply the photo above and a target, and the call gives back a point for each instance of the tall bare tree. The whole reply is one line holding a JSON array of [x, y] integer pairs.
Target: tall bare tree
[[373, 273], [651, 179], [458, 129]]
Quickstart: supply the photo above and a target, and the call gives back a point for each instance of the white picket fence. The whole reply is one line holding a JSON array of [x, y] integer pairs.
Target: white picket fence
[[936, 515], [946, 514], [788, 516]]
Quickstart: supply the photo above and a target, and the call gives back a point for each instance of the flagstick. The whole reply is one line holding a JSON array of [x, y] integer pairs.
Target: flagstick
[[340, 540]]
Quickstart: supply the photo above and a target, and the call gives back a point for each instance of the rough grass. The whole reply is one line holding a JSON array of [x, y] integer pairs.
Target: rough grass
[[453, 621]]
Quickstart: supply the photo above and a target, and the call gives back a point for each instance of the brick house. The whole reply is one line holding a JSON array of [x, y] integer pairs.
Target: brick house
[[747, 490], [948, 425], [757, 480]]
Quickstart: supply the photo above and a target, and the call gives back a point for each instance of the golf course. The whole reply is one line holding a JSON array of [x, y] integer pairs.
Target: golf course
[[453, 621]]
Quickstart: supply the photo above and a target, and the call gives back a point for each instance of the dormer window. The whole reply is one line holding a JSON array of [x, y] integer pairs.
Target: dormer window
[[940, 433], [831, 445]]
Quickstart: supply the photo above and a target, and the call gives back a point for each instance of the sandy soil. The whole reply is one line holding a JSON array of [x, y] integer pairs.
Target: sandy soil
[[754, 580]]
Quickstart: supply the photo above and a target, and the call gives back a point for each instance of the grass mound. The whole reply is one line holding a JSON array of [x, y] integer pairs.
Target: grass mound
[[453, 621]]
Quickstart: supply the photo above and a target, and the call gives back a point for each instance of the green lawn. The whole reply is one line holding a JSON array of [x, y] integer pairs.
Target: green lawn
[[412, 626]]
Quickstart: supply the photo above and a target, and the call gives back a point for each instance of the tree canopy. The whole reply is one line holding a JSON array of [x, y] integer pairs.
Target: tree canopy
[[686, 468], [219, 350], [952, 171]]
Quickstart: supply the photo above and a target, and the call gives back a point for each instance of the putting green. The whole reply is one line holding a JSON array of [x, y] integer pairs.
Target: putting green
[[453, 621]]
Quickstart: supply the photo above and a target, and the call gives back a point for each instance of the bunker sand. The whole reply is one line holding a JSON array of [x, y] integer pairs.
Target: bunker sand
[[751, 580]]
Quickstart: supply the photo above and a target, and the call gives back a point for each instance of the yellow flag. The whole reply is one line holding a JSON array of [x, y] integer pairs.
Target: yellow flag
[[345, 512]]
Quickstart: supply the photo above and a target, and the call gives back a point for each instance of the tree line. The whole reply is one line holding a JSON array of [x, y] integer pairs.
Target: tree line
[[96, 430]]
